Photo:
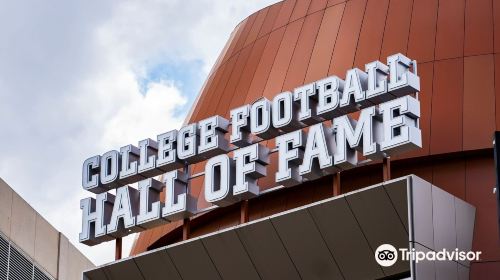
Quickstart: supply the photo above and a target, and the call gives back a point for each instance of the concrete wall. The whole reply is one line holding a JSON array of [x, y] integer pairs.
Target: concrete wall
[[29, 231]]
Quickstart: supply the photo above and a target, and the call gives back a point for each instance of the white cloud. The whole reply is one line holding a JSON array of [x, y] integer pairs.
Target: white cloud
[[70, 87], [153, 112]]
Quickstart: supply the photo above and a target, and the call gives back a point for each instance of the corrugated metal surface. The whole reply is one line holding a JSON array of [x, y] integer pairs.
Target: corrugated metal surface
[[15, 265], [4, 258]]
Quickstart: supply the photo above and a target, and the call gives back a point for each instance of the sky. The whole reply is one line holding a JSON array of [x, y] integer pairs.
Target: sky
[[79, 78]]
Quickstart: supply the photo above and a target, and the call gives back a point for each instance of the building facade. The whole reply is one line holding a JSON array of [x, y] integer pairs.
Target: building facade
[[30, 248], [296, 42]]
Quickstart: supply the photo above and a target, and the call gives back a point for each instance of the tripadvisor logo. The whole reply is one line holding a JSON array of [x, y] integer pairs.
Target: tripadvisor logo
[[387, 255]]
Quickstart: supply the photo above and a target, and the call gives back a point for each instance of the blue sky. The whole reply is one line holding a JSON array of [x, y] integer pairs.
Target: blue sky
[[79, 78], [188, 76]]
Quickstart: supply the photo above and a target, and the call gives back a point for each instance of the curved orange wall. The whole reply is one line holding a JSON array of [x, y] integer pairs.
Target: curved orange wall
[[291, 43]]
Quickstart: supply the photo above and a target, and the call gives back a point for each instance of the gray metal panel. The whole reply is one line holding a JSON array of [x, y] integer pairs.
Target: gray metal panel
[[421, 195], [306, 246], [157, 265], [424, 270], [192, 261], [343, 236], [229, 255], [124, 270], [446, 270], [463, 272], [398, 193], [96, 274], [465, 214], [268, 254], [443, 210], [380, 223]]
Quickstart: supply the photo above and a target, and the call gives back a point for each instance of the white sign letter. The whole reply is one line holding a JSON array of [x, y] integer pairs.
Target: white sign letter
[[218, 180], [149, 205], [290, 152], [400, 125], [329, 90], [212, 141], [90, 175], [98, 212], [366, 128], [178, 203], [402, 81], [125, 208], [251, 164], [240, 134], [320, 145]]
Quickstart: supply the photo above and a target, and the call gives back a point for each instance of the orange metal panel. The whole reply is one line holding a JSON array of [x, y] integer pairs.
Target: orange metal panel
[[244, 34], [334, 2], [302, 53], [231, 219], [228, 93], [170, 227], [254, 211], [323, 47], [300, 9], [423, 30], [265, 65], [204, 229], [450, 29], [372, 30], [214, 97], [239, 30], [208, 93], [447, 106], [478, 27], [147, 240], [197, 167], [240, 94], [449, 175], [423, 170], [141, 243], [496, 19], [269, 181], [156, 233], [497, 91], [215, 73], [283, 57], [267, 26], [426, 72], [397, 28], [484, 270], [480, 179], [285, 13], [273, 204], [197, 191], [347, 39], [222, 55], [323, 188], [202, 95], [300, 196], [350, 180], [316, 5], [257, 25], [479, 101]]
